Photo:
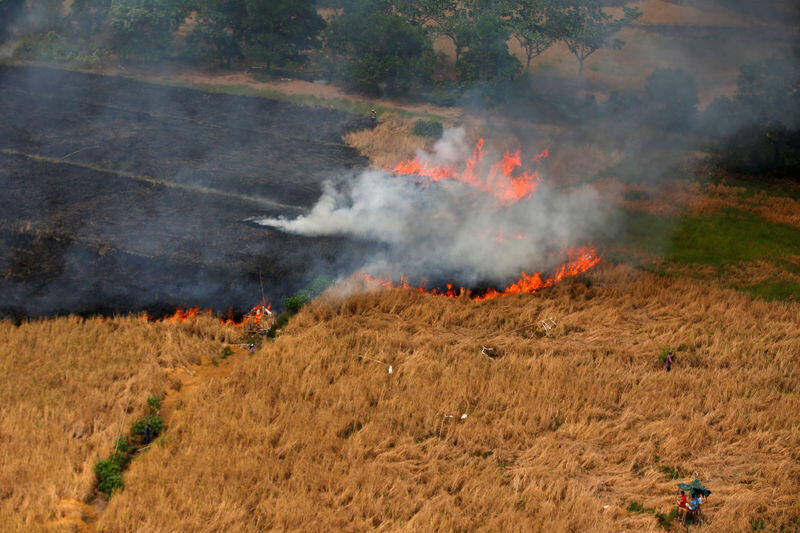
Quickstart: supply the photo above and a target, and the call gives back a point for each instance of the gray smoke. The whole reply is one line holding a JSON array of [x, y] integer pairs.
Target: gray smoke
[[448, 229]]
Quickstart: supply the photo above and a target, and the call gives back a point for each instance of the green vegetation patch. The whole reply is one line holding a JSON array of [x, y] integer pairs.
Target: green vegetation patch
[[721, 240], [731, 237], [773, 290]]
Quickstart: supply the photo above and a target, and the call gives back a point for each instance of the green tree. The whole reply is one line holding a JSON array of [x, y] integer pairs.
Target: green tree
[[758, 131], [585, 27], [671, 97], [383, 51], [530, 26], [9, 11], [279, 31], [90, 17], [145, 28], [217, 35], [770, 90], [488, 57], [448, 18]]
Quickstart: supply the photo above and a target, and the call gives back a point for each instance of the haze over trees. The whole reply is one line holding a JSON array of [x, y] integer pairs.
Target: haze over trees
[[386, 47], [373, 45]]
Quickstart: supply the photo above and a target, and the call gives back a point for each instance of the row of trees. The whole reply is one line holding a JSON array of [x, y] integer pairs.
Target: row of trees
[[758, 129], [377, 45]]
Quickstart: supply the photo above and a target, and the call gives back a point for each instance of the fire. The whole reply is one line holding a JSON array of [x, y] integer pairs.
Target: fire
[[503, 179], [580, 261], [259, 316], [508, 183]]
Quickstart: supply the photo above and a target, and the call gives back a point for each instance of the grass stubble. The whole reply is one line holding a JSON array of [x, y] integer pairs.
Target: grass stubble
[[562, 432]]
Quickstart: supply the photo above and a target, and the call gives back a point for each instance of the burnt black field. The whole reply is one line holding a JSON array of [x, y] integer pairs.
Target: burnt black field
[[120, 196]]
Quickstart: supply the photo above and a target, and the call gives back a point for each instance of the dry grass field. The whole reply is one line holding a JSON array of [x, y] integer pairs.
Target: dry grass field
[[68, 388], [561, 433], [376, 409]]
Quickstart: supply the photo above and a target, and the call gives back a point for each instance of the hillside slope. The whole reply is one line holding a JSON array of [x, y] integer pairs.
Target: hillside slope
[[68, 388], [561, 432]]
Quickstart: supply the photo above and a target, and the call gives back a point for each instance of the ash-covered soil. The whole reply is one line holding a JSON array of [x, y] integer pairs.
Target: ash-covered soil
[[121, 196]]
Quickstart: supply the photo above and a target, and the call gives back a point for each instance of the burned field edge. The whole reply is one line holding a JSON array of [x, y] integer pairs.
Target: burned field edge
[[113, 210]]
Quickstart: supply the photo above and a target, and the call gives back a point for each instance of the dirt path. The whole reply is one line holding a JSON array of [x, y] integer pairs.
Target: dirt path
[[177, 73], [75, 515]]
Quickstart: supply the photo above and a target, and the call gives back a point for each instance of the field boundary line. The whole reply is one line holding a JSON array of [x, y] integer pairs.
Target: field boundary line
[[153, 181]]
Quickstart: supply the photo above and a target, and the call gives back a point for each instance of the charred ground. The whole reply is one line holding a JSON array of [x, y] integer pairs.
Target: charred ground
[[123, 196]]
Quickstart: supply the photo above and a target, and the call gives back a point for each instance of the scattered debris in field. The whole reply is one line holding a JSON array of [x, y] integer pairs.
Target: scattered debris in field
[[391, 370], [548, 324]]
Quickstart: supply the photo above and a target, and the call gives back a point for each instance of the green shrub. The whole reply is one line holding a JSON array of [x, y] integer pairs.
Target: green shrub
[[123, 445], [156, 426], [226, 352], [53, 46], [665, 519], [109, 476], [154, 403], [122, 459], [294, 303], [446, 96], [317, 286], [428, 128], [635, 507], [663, 355], [674, 472]]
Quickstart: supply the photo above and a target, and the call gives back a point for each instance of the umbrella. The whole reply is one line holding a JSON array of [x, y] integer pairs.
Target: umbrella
[[693, 487]]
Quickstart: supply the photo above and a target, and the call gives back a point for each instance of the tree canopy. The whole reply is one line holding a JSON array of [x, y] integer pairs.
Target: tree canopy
[[9, 10], [145, 28], [585, 27], [383, 51]]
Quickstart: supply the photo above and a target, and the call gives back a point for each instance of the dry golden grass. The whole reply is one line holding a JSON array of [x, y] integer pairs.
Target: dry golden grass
[[309, 435], [390, 142], [778, 209], [675, 197], [68, 388], [670, 199]]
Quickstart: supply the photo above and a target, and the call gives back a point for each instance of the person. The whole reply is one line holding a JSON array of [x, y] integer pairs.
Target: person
[[147, 433], [683, 500], [252, 348], [695, 503], [669, 361], [373, 115]]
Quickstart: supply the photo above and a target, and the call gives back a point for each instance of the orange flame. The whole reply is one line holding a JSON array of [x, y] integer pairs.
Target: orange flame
[[581, 260], [503, 179], [256, 315]]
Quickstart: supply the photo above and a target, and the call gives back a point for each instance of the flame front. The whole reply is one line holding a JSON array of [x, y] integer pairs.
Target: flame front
[[508, 184], [581, 260], [257, 315], [503, 179]]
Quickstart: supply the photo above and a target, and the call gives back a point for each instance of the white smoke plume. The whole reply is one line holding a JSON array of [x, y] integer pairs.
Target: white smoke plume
[[447, 229]]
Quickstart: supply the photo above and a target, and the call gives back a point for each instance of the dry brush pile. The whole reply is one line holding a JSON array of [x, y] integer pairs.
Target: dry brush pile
[[68, 388], [562, 432]]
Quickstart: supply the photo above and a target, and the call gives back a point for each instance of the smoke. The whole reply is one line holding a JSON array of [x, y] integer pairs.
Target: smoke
[[449, 229]]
